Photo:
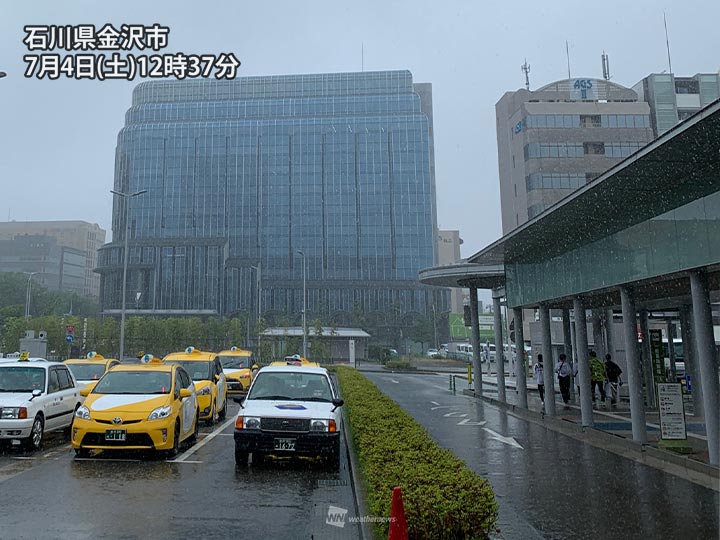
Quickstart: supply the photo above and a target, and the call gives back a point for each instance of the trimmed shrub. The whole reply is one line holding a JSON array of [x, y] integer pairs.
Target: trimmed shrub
[[399, 364], [443, 498]]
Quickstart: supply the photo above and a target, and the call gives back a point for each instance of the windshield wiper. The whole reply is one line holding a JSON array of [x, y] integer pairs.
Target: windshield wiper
[[270, 397], [314, 398]]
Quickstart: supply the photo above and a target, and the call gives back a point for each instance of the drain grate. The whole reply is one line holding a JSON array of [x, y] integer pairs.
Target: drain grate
[[331, 483]]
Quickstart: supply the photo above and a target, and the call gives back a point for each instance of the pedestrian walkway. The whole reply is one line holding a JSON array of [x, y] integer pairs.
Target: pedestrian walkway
[[613, 419]]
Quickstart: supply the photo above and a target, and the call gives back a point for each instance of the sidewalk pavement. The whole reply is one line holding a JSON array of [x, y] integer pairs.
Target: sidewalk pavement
[[614, 420]]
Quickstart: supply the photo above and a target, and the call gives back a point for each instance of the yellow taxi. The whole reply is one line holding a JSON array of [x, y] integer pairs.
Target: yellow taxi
[[147, 406], [206, 372], [239, 369], [295, 360], [90, 368]]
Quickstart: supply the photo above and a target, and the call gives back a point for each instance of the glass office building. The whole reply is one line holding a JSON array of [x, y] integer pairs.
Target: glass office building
[[241, 175]]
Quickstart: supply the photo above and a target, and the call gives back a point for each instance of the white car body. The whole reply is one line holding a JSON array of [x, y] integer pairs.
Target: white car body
[[289, 420], [54, 406]]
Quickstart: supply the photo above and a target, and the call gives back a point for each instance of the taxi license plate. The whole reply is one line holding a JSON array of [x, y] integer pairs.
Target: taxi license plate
[[285, 444], [115, 434]]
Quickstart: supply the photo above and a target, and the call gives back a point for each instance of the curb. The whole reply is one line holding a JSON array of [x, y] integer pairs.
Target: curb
[[684, 467], [358, 487]]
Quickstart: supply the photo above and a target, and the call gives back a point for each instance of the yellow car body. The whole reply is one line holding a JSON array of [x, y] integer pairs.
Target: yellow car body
[[90, 369], [206, 372], [238, 368], [137, 407]]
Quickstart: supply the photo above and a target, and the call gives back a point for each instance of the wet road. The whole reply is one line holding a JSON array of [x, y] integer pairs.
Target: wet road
[[549, 485], [200, 494]]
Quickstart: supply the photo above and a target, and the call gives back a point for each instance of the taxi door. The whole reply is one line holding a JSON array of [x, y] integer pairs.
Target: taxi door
[[189, 404]]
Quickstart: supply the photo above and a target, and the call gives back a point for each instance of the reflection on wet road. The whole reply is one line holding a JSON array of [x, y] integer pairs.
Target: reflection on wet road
[[549, 485], [50, 494]]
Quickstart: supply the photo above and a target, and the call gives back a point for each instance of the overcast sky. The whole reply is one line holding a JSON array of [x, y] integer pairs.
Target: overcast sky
[[57, 141]]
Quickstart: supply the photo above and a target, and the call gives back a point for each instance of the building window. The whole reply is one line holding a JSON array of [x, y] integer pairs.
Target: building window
[[594, 148], [590, 120]]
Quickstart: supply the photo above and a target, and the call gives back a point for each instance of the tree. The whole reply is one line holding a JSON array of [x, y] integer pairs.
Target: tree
[[319, 348]]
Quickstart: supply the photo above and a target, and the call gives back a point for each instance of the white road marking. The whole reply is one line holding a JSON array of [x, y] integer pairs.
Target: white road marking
[[394, 381], [442, 407], [468, 422], [188, 461], [197, 446], [435, 403], [455, 414], [23, 457], [506, 440]]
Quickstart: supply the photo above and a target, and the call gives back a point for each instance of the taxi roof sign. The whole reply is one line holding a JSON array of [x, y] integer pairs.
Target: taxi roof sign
[[150, 359], [92, 355]]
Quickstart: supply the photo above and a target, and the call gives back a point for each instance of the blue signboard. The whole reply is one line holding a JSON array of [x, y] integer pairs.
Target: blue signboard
[[69, 338]]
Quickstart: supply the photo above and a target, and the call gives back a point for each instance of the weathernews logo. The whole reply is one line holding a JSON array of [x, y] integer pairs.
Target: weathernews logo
[[336, 516]]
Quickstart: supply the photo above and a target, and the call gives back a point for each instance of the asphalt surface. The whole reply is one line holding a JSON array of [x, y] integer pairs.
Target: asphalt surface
[[199, 494], [549, 485]]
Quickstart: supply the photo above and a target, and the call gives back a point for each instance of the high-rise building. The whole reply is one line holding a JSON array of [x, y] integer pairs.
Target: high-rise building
[[448, 250], [64, 253], [242, 176], [555, 139], [673, 99]]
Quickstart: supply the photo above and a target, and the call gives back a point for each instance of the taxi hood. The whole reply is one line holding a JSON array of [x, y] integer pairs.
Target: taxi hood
[[288, 409], [126, 402]]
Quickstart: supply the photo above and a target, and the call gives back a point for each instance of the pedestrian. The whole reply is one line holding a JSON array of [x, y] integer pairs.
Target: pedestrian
[[564, 372], [540, 378], [613, 374], [597, 377]]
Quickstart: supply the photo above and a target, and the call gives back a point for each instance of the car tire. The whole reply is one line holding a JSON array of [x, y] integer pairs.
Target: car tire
[[34, 441], [82, 452], [258, 458], [334, 459], [222, 414], [241, 458], [213, 415], [196, 431], [176, 440]]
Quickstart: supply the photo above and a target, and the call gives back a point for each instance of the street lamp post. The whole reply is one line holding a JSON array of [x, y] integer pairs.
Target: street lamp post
[[257, 301], [304, 312], [126, 197], [27, 293]]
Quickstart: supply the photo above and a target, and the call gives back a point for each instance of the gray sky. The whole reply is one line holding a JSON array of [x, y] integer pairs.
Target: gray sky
[[57, 142]]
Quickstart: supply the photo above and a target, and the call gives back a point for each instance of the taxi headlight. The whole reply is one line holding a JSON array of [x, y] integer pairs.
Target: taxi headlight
[[204, 391], [318, 425], [11, 413], [251, 422], [160, 413], [83, 412]]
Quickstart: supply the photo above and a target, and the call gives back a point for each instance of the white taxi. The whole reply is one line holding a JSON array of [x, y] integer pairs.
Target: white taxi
[[289, 410], [36, 397]]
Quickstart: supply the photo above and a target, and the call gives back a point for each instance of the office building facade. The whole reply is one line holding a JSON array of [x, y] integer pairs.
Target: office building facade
[[449, 243], [242, 176], [556, 139], [65, 253], [673, 99]]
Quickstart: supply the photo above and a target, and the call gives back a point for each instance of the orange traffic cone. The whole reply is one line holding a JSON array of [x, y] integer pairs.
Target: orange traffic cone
[[398, 525]]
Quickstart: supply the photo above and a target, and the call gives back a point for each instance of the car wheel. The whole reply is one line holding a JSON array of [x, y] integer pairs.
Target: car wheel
[[241, 458], [213, 415], [194, 437], [176, 440], [223, 413], [34, 441], [82, 452], [334, 460]]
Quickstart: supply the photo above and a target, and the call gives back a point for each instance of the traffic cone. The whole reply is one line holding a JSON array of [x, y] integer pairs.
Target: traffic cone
[[398, 525]]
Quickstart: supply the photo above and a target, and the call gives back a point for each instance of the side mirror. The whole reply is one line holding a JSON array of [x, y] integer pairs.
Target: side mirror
[[36, 393], [337, 402], [184, 392], [217, 377], [87, 389], [255, 367]]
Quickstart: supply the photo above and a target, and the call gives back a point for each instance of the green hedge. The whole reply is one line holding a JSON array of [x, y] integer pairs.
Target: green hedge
[[402, 364], [443, 498]]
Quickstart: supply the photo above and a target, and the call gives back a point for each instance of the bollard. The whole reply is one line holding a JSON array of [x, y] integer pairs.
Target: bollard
[[469, 379], [450, 383], [453, 383]]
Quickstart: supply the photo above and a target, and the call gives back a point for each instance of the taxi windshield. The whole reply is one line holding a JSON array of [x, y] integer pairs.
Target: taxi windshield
[[236, 362], [199, 371], [134, 382], [291, 385], [87, 372], [21, 379]]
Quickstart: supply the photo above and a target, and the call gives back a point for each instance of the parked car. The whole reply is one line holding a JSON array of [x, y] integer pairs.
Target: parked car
[[289, 411], [433, 353], [36, 397]]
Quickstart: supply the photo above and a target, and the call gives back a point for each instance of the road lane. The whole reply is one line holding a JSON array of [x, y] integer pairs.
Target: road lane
[[549, 485], [123, 495]]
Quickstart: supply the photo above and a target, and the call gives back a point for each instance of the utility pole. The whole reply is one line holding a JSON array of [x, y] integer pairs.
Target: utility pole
[[304, 311]]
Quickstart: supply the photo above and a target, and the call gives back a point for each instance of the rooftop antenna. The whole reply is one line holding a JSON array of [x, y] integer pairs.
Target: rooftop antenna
[[526, 70], [567, 53], [606, 66], [667, 43]]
